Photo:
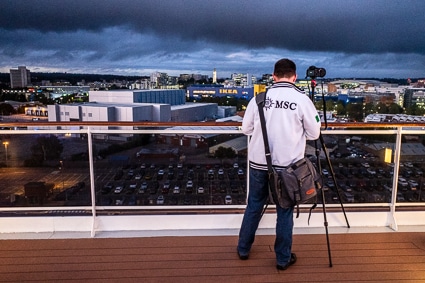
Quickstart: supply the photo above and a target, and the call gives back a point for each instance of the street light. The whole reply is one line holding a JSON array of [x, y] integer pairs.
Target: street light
[[5, 148], [61, 168]]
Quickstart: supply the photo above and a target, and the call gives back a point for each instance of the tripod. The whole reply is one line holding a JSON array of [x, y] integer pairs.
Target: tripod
[[260, 101], [319, 168]]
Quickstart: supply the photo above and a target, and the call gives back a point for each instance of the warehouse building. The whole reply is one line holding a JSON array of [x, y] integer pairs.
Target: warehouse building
[[134, 106]]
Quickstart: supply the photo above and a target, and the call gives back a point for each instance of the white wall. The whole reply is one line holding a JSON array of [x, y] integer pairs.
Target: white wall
[[123, 96], [93, 113]]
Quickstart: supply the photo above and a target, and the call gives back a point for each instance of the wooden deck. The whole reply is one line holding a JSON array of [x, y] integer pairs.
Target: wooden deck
[[356, 257]]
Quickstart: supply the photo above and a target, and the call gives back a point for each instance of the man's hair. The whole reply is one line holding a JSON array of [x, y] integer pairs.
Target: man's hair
[[284, 68]]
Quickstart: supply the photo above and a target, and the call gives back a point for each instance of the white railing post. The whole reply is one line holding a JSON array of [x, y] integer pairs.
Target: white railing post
[[92, 184], [397, 153]]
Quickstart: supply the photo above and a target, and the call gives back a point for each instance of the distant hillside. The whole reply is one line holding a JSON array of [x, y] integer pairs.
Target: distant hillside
[[72, 78]]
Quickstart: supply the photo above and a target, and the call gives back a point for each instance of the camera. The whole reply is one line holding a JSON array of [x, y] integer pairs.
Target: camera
[[314, 72]]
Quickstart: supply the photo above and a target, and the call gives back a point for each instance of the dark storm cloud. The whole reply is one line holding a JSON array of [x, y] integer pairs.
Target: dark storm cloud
[[348, 26], [190, 34]]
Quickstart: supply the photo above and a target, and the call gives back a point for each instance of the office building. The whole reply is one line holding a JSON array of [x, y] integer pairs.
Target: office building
[[20, 78], [414, 96]]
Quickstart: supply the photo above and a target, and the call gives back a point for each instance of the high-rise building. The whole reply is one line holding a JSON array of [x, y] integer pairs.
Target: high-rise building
[[414, 96], [245, 80], [20, 77], [214, 76]]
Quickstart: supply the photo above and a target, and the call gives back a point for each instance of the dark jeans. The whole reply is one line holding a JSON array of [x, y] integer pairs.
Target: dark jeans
[[257, 197]]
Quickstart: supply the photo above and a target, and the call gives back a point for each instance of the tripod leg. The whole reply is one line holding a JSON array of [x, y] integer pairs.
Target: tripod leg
[[326, 227], [333, 178], [325, 219], [313, 85]]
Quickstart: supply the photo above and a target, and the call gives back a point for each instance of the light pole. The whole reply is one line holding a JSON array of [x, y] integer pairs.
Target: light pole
[[5, 148], [61, 169], [63, 180]]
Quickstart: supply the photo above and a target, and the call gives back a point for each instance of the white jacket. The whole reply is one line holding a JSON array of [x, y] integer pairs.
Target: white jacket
[[291, 119]]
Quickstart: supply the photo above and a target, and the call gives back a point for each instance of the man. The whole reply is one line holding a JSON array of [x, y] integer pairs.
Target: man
[[291, 119]]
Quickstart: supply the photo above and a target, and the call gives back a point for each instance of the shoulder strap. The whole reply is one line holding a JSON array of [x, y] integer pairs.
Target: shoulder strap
[[260, 99]]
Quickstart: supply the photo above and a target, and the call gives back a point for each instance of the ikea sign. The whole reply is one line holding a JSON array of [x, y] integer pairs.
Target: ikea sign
[[239, 92]]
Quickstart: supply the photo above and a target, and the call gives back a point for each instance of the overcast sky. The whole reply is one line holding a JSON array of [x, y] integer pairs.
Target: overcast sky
[[349, 38]]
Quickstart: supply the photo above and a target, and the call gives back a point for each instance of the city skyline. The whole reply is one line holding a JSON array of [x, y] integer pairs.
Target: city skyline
[[350, 39]]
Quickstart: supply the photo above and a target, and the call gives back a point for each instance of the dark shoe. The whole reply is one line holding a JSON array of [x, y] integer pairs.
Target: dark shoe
[[243, 257], [291, 262]]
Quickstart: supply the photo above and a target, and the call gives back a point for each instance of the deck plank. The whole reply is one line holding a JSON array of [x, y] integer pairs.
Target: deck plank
[[356, 257]]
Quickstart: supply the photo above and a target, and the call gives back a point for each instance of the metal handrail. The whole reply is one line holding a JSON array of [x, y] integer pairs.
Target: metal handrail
[[200, 124], [358, 128]]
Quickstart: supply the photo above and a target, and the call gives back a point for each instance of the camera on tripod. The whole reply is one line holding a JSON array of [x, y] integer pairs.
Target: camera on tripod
[[314, 72]]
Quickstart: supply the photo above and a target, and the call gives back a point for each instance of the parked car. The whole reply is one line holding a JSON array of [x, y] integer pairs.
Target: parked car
[[143, 188], [211, 174], [176, 190], [220, 174], [241, 174], [166, 184], [413, 184], [107, 188], [118, 189], [132, 188], [189, 187], [160, 199], [228, 199], [402, 182], [160, 174]]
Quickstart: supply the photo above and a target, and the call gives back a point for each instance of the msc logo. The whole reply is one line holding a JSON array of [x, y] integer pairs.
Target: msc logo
[[269, 103], [286, 105]]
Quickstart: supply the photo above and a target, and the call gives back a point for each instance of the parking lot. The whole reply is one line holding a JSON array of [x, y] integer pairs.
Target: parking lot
[[362, 177], [194, 178], [174, 184]]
